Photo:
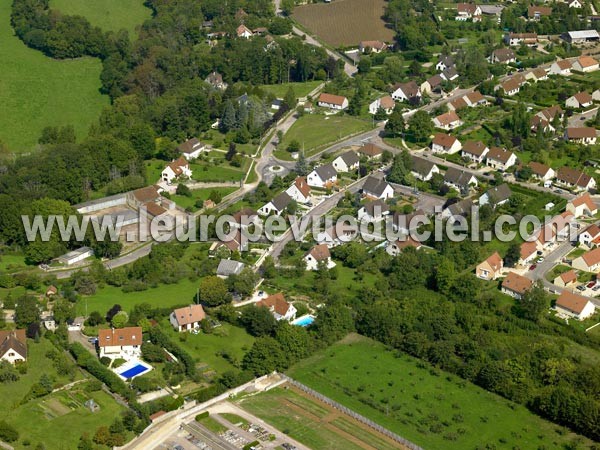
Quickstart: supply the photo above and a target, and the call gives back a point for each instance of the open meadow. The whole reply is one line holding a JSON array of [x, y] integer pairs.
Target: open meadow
[[37, 91], [425, 405], [345, 23]]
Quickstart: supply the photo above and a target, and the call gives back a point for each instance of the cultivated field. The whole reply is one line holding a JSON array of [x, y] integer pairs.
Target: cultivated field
[[345, 23], [110, 15], [36, 91], [427, 406], [313, 423]]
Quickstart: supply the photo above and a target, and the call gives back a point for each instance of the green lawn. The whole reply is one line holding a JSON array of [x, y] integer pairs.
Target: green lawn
[[213, 425], [300, 89], [427, 406], [110, 15], [12, 262], [200, 194], [37, 91], [165, 295], [315, 131], [209, 173]]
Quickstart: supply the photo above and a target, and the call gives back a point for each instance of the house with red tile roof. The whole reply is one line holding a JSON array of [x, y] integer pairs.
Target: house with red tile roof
[[187, 318], [590, 237], [124, 343], [445, 143], [570, 305], [317, 255], [515, 285], [176, 170], [583, 205], [299, 190], [279, 307], [491, 268], [566, 279], [589, 261], [332, 101]]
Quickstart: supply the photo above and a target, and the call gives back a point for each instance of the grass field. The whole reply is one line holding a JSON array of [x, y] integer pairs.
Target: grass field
[[110, 15], [345, 22], [300, 89], [37, 91], [311, 422], [431, 408], [314, 132]]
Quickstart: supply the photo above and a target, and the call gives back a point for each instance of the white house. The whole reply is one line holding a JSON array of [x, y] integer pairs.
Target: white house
[[444, 62], [423, 169], [280, 309], [574, 178], [466, 11], [581, 135], [229, 267], [460, 180], [373, 211], [514, 39], [579, 100], [331, 101], [323, 176], [191, 149], [591, 236], [299, 190], [516, 285], [562, 67], [187, 318], [123, 343], [386, 103], [377, 188], [497, 196], [475, 151], [13, 346], [582, 206], [503, 56], [244, 32], [585, 64], [500, 158], [406, 91], [346, 162], [372, 46], [542, 171], [447, 121], [444, 143], [575, 4], [596, 95], [75, 256], [177, 169], [276, 206], [319, 254], [395, 248], [575, 306]]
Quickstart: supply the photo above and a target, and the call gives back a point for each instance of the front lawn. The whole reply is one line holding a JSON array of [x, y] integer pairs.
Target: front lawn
[[300, 89]]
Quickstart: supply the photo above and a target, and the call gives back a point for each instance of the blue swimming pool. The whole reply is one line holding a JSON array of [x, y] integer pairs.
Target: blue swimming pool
[[304, 321], [134, 371]]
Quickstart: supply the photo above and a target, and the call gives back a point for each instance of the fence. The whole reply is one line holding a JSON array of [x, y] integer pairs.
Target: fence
[[351, 413]]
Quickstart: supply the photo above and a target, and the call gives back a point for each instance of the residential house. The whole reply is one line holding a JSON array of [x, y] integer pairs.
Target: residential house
[[581, 36], [444, 143], [511, 87], [322, 177], [574, 4], [377, 188], [405, 223], [235, 242], [319, 254], [277, 205], [456, 210], [537, 74], [142, 196], [215, 79], [573, 178], [450, 74], [496, 196], [460, 180], [187, 318], [514, 39], [503, 56], [476, 151], [191, 149], [228, 267], [372, 46], [13, 346], [562, 67], [346, 162], [546, 117], [491, 268], [590, 237], [458, 104], [331, 101], [579, 100], [528, 252], [447, 121], [244, 32], [574, 306], [537, 12], [500, 158], [474, 99], [466, 11], [279, 307], [566, 279], [299, 190], [581, 135], [51, 291], [335, 236], [120, 343], [432, 84], [260, 31], [444, 62], [245, 218], [404, 92], [596, 95], [582, 205], [515, 285], [371, 151], [386, 103], [177, 169], [373, 210], [585, 64], [589, 261], [396, 247], [423, 169], [541, 171]]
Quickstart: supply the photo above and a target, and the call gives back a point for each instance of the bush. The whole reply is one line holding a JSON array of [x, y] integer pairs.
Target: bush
[[118, 363], [8, 433], [201, 416]]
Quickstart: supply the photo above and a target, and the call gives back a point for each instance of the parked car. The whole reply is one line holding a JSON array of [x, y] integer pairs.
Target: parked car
[[581, 288], [540, 260], [591, 284], [533, 266], [595, 288]]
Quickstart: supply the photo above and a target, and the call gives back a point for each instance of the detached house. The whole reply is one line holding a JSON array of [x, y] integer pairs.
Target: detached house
[[575, 306], [582, 206], [500, 158], [346, 162], [585, 64], [373, 210], [444, 62], [491, 268], [574, 4], [403, 92], [460, 180], [299, 190], [528, 252], [450, 74], [386, 103], [396, 247], [579, 100], [123, 343], [541, 171], [244, 32], [331, 101], [177, 169], [191, 149], [371, 151], [537, 74], [514, 39], [447, 121], [372, 46], [188, 318], [423, 169], [511, 87], [444, 143], [277, 205], [279, 307], [476, 151], [562, 67], [576, 179], [323, 176], [456, 210], [566, 279], [516, 285], [589, 261], [544, 119], [13, 346], [377, 188], [590, 237], [583, 135], [215, 79], [503, 56], [319, 254], [496, 196], [432, 84], [537, 12], [466, 11]]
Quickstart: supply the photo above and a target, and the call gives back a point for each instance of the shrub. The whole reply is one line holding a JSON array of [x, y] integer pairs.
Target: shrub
[[8, 433]]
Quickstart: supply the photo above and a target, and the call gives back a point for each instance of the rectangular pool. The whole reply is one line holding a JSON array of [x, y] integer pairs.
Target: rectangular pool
[[304, 321], [134, 371]]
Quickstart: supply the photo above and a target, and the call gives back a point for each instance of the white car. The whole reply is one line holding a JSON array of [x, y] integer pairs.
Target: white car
[[540, 260]]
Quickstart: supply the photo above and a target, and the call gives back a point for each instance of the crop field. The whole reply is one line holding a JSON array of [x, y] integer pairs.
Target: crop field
[[37, 91], [312, 422], [345, 23], [429, 407]]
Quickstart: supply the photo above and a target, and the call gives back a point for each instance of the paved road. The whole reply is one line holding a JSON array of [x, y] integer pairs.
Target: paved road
[[579, 120], [207, 436]]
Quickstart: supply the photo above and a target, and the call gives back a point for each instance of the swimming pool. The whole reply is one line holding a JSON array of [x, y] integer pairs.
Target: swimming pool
[[133, 369], [304, 321]]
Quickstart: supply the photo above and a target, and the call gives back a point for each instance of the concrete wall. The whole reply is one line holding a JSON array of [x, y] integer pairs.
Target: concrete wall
[[101, 203]]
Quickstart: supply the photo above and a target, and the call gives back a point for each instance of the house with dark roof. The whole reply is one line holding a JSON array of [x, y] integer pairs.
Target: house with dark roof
[[444, 62], [468, 11], [432, 84], [377, 188], [191, 149], [373, 210], [215, 79], [228, 267], [450, 74], [279, 307], [323, 176], [404, 92], [460, 180], [500, 158], [13, 346], [581, 135], [455, 211], [318, 255], [277, 205], [537, 12], [423, 169], [576, 179], [496, 196], [346, 162], [187, 318], [503, 56]]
